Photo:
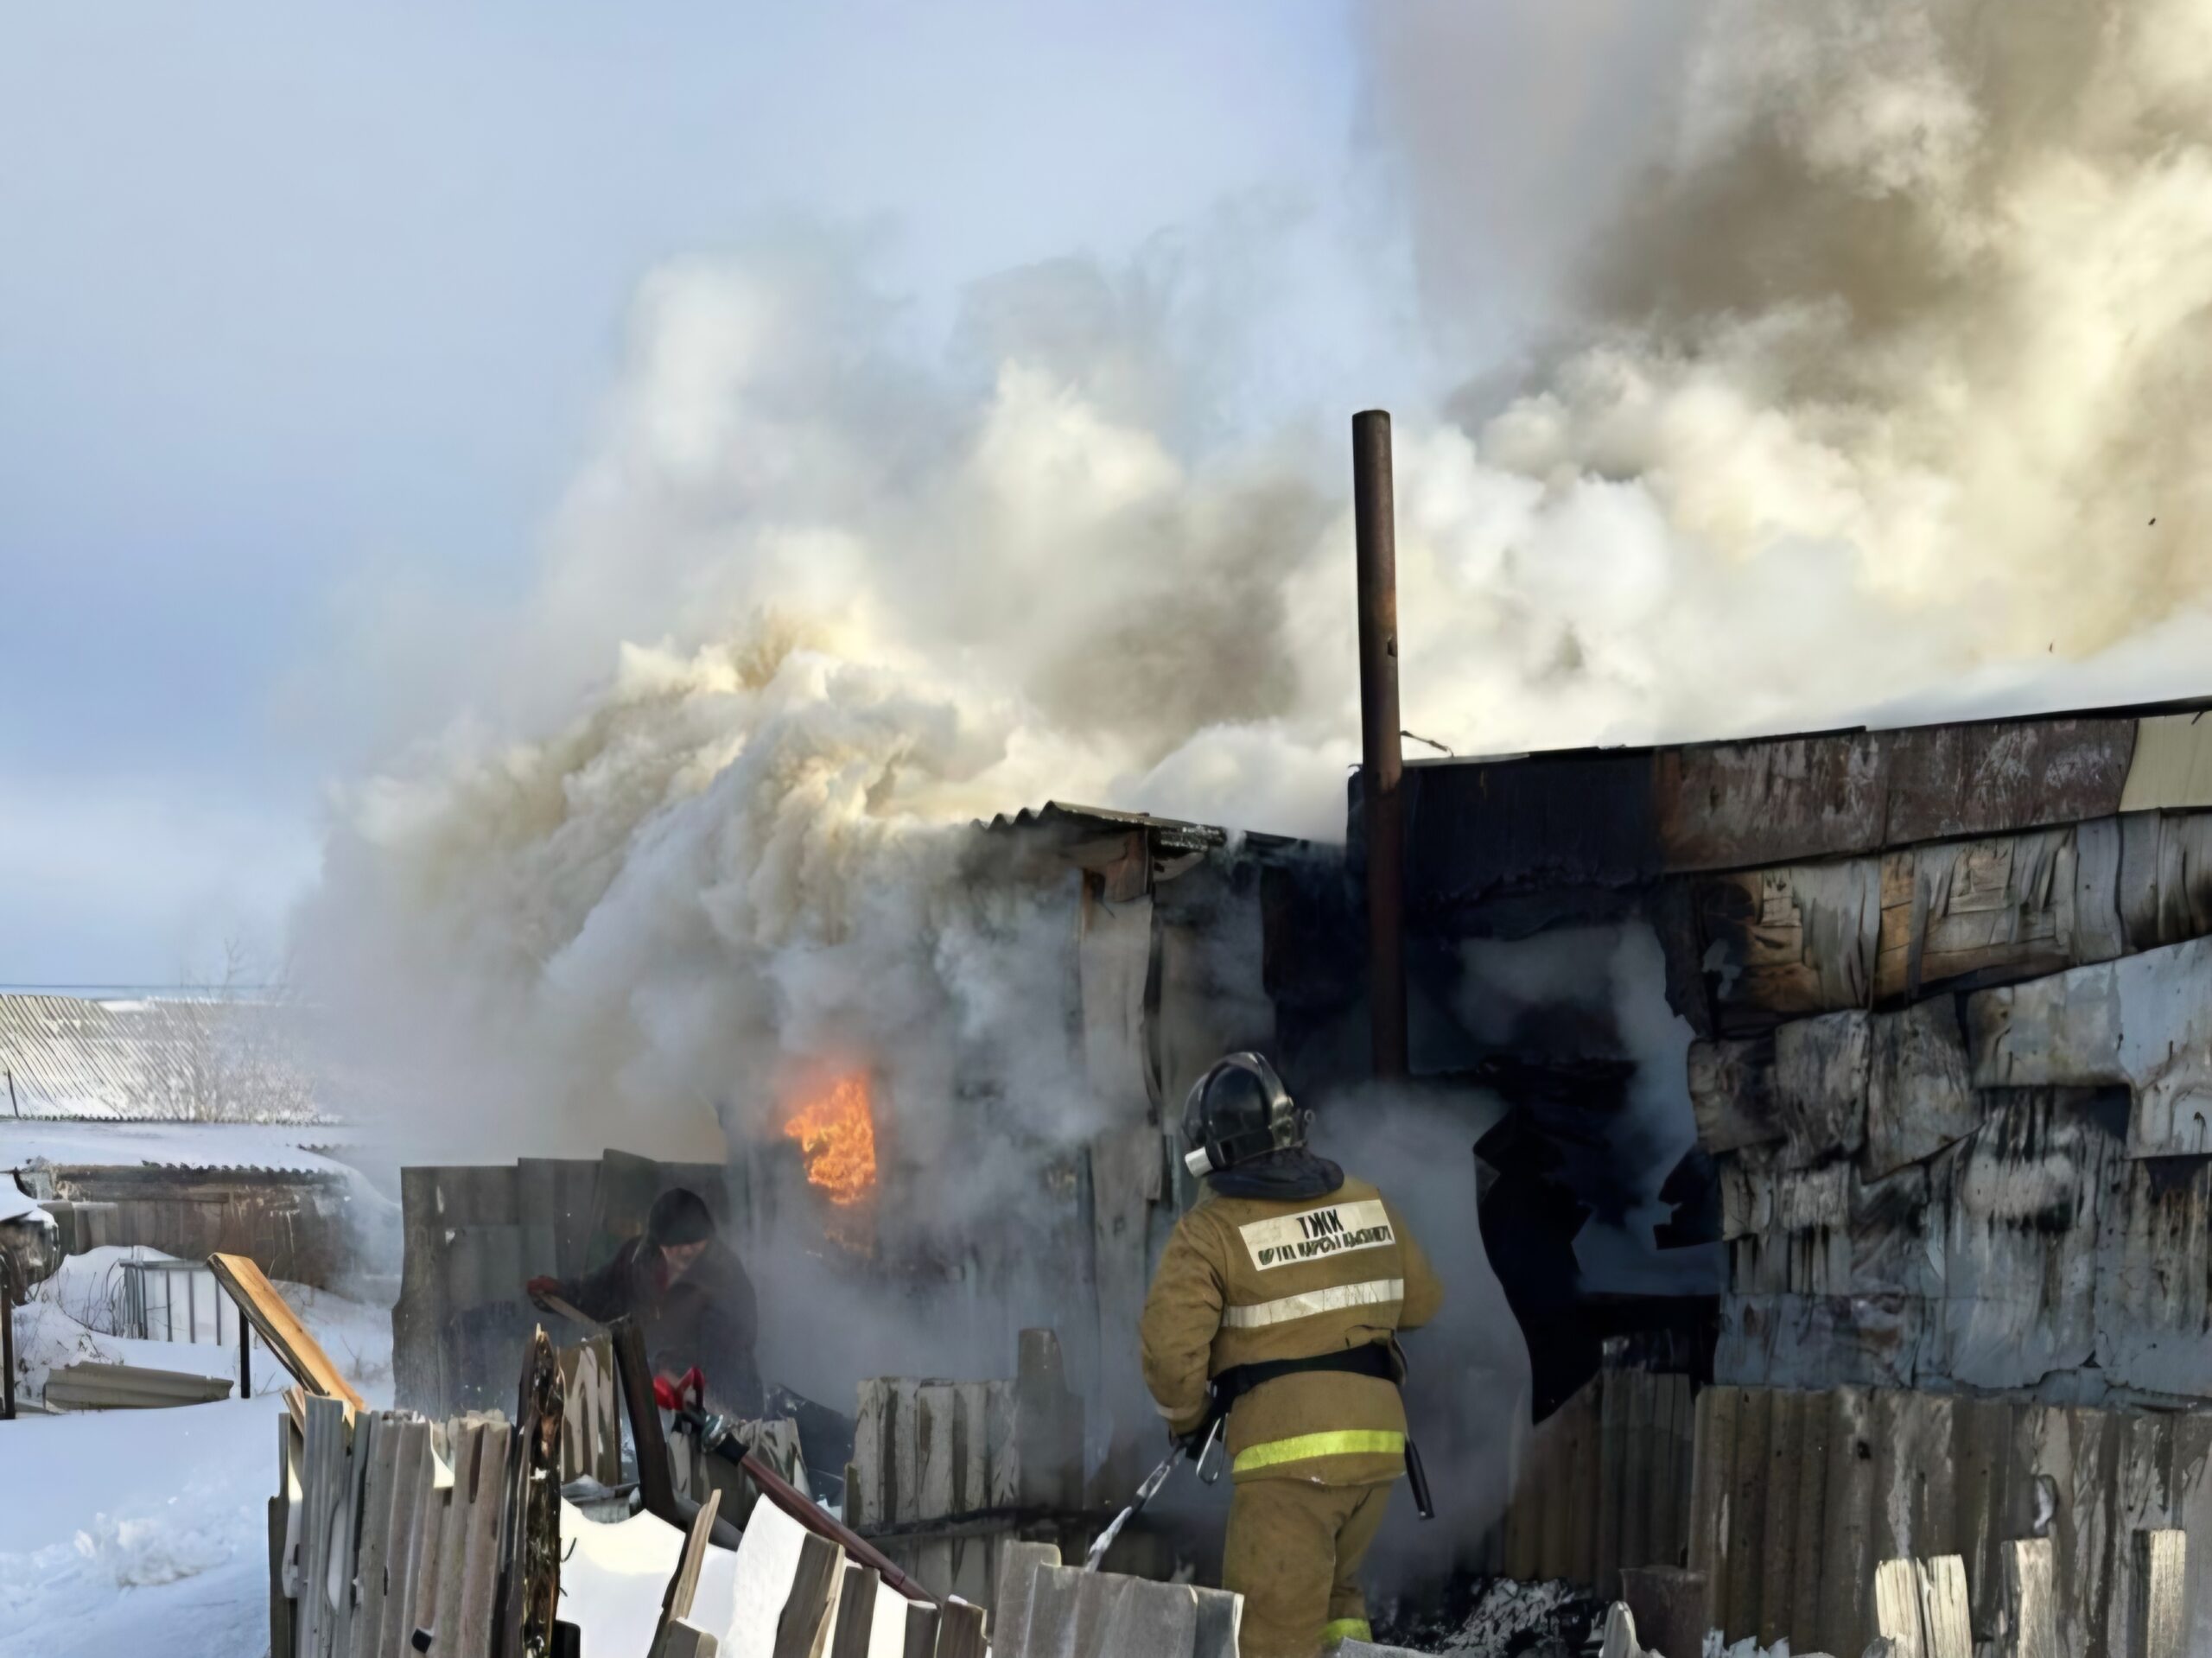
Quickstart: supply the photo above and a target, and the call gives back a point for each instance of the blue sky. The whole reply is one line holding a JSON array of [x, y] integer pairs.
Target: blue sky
[[302, 304]]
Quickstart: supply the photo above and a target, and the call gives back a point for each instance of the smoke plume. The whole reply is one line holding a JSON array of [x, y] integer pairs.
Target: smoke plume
[[1874, 391]]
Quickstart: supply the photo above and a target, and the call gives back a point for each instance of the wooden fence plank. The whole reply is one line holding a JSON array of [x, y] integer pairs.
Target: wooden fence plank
[[938, 1460], [683, 1590], [2030, 1624], [1947, 1614], [972, 1556], [369, 1574], [486, 1510], [411, 1498], [1900, 1607], [2157, 1618]]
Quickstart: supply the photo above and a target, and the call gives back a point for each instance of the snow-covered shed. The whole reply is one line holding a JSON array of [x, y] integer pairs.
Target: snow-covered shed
[[186, 1124]]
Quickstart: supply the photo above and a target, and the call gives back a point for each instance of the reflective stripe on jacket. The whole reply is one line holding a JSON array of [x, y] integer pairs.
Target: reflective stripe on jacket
[[1245, 1280]]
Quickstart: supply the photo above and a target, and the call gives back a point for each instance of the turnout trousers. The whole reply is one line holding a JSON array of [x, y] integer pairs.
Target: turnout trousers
[[1294, 1551]]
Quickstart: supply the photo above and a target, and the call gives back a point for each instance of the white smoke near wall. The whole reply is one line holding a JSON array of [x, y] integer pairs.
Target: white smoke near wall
[[1870, 396]]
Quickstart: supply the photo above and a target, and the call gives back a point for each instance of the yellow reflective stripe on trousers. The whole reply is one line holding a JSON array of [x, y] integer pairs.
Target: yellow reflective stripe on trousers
[[1346, 1628], [1347, 1442]]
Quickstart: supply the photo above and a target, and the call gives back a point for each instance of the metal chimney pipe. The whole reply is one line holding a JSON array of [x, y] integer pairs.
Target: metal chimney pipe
[[1381, 764]]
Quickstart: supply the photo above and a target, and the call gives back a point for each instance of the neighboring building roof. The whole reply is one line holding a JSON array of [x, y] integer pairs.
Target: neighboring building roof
[[269, 1147], [157, 1060], [1506, 831]]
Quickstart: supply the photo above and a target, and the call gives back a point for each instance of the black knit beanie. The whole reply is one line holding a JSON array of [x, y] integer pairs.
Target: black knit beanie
[[679, 1218]]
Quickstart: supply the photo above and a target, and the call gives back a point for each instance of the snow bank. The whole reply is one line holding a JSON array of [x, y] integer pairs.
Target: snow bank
[[148, 1532], [15, 1205], [614, 1576]]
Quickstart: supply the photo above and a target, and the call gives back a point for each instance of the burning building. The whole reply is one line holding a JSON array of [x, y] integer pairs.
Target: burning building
[[845, 1197]]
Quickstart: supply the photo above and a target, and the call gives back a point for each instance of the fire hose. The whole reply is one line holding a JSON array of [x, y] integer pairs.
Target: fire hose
[[718, 1435], [1227, 1389]]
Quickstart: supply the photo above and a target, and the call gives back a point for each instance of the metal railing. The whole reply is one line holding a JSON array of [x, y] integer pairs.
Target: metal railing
[[173, 1301]]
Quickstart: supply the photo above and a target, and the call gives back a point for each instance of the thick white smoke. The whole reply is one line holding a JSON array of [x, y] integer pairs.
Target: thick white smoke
[[1878, 391]]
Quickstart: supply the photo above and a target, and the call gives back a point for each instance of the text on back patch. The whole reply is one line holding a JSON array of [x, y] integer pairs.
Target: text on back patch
[[1338, 1229]]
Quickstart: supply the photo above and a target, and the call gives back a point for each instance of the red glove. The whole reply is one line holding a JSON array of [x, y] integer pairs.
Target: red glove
[[669, 1393], [539, 1287]]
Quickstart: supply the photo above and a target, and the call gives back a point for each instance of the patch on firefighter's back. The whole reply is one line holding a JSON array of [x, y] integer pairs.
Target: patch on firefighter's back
[[1335, 1230]]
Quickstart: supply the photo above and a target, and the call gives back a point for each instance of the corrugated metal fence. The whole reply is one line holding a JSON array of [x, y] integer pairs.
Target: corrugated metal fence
[[1606, 1484], [1799, 1498], [475, 1236]]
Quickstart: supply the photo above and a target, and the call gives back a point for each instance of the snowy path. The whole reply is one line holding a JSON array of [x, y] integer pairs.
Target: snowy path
[[124, 1531], [138, 1530]]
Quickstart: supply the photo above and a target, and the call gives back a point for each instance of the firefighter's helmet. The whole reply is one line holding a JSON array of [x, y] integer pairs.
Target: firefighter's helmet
[[1237, 1111]]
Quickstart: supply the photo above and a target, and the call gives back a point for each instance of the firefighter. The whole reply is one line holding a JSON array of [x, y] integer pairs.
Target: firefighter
[[1280, 1294]]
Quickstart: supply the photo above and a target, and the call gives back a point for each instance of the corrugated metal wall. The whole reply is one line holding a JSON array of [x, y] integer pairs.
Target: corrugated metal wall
[[292, 1226], [1798, 1497], [1606, 1484]]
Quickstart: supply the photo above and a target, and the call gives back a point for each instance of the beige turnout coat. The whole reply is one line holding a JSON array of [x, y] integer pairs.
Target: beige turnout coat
[[1245, 1280]]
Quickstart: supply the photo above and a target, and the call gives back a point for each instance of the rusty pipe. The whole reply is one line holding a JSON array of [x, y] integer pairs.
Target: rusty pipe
[[1381, 764]]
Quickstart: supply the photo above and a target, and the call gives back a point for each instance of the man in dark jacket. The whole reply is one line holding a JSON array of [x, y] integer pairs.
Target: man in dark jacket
[[689, 1295]]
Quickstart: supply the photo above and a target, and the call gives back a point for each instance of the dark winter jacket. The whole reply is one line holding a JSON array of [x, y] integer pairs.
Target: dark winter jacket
[[708, 1316]]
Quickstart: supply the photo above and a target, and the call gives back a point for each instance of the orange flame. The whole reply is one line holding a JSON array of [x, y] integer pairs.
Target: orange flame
[[836, 1132]]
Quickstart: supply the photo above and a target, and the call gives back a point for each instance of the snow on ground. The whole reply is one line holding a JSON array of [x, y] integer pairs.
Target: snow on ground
[[126, 1531], [74, 1316], [138, 1531], [613, 1576]]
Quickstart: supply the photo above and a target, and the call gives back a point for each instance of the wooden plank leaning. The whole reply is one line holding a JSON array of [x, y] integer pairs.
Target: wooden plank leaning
[[684, 1584], [279, 1327]]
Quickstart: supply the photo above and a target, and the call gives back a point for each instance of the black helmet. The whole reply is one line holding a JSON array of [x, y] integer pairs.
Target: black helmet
[[1237, 1111]]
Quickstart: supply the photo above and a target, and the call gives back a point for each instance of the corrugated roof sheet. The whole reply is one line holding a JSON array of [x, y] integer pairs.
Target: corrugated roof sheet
[[148, 1061], [274, 1147], [1174, 835], [89, 1385]]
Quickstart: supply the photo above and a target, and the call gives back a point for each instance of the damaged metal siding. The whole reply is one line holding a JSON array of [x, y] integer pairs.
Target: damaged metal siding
[[1798, 1496]]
